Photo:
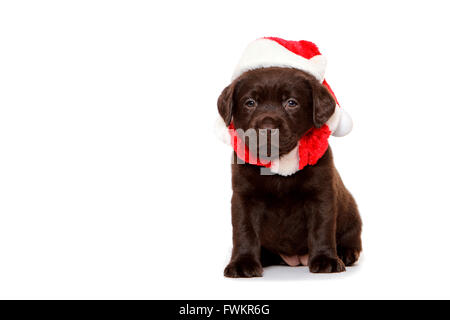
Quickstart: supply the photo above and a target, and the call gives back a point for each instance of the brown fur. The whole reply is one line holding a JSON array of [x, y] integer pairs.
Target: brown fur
[[310, 211]]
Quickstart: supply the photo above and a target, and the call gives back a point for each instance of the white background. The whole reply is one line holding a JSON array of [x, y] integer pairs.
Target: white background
[[113, 185]]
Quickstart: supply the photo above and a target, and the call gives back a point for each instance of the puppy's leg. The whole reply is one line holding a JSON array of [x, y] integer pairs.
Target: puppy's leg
[[245, 258], [349, 234], [322, 238], [350, 249]]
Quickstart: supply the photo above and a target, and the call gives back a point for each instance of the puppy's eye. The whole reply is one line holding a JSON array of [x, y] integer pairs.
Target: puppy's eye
[[291, 103], [250, 103]]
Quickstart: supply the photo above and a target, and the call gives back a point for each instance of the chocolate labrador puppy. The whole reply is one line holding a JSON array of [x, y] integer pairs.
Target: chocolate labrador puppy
[[308, 217]]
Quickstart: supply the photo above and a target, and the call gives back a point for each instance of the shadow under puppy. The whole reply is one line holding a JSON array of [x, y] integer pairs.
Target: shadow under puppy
[[302, 214]]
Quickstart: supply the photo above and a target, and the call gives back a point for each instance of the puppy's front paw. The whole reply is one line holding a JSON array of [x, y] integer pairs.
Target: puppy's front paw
[[349, 255], [325, 264], [243, 268]]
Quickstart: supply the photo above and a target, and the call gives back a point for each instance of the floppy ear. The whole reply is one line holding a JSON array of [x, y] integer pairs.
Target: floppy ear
[[225, 103], [323, 104]]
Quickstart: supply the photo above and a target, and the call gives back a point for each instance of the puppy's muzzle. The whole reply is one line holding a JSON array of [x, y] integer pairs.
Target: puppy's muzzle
[[267, 123]]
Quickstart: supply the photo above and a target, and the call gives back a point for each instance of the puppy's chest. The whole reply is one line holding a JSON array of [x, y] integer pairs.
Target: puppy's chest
[[283, 221], [284, 205]]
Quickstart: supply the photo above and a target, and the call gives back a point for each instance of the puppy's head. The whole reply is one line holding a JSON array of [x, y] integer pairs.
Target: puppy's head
[[286, 99]]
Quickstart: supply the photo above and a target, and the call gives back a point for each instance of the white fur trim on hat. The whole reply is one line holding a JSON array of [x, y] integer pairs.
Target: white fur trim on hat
[[264, 53], [345, 124], [333, 122], [340, 123]]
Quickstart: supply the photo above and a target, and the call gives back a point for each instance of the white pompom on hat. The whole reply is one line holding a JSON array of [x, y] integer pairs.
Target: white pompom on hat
[[302, 55]]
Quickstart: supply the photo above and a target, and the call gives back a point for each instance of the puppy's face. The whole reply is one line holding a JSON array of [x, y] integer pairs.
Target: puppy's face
[[286, 99]]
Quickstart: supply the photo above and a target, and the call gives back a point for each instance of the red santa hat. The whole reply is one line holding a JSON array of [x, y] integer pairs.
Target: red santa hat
[[303, 55]]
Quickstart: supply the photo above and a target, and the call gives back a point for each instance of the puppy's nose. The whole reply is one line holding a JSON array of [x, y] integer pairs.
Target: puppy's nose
[[268, 123]]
